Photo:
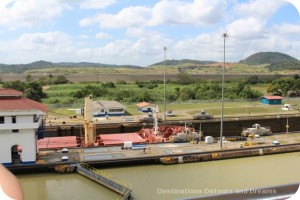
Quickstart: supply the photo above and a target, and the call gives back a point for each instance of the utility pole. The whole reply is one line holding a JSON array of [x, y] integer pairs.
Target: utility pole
[[225, 36], [165, 105]]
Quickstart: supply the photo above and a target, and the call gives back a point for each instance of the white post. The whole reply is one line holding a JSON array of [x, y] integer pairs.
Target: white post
[[225, 35]]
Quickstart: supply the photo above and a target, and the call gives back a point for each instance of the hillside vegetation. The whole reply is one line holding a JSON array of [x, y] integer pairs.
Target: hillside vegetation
[[39, 65], [285, 65], [261, 63], [267, 58]]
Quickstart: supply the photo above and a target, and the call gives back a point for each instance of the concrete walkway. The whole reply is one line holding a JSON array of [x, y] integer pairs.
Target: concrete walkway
[[161, 149]]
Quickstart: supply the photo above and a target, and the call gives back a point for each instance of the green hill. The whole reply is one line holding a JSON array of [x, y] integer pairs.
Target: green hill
[[21, 68], [267, 58], [183, 62]]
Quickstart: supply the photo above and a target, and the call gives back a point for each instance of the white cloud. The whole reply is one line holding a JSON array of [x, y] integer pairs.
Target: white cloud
[[128, 17], [83, 36], [41, 41], [29, 47], [102, 35], [258, 8], [288, 29], [143, 32], [247, 29], [96, 4], [201, 12], [27, 13]]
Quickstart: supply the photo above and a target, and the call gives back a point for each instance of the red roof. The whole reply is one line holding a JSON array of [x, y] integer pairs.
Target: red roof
[[10, 93], [273, 97], [57, 142], [119, 139], [21, 104], [143, 104]]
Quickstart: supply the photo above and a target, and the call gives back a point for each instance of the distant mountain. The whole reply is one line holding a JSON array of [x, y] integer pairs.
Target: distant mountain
[[267, 58], [183, 62], [20, 68]]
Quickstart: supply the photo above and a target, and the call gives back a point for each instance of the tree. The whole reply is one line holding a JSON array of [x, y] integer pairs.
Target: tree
[[36, 92], [252, 80], [61, 79], [248, 93], [108, 85], [17, 85], [121, 82], [187, 93], [184, 78], [280, 86], [32, 94], [96, 91], [296, 85], [28, 78], [239, 88], [32, 90]]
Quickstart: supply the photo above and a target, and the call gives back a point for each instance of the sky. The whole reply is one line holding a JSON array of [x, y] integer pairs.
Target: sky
[[135, 32]]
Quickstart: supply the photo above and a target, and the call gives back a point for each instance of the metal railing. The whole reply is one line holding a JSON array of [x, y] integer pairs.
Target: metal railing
[[118, 185]]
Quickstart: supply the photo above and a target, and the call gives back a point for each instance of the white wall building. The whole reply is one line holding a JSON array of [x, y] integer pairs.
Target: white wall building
[[21, 120], [108, 108], [146, 107]]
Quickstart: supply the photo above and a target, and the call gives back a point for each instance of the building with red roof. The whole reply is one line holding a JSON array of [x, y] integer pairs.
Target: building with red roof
[[21, 123], [271, 100], [146, 107]]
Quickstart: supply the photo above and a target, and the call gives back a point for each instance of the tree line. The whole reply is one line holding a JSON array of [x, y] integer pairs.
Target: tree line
[[184, 88]]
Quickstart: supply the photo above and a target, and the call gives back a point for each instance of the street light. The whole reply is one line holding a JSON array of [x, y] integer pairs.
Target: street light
[[165, 106], [225, 35]]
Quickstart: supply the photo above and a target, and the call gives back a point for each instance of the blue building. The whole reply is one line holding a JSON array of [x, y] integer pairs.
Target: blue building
[[271, 100]]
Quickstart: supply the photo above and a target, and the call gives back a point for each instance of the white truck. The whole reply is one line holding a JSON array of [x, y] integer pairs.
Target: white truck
[[202, 115], [185, 136], [256, 129], [149, 118]]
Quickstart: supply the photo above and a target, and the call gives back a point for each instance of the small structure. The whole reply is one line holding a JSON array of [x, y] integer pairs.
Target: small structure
[[287, 107], [146, 107], [21, 124], [271, 100], [209, 140], [108, 108]]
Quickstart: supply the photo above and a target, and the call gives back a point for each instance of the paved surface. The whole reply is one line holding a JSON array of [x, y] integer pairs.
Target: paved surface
[[162, 149]]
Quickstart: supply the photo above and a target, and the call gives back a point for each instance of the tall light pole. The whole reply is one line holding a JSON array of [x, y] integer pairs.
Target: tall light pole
[[165, 105], [225, 35]]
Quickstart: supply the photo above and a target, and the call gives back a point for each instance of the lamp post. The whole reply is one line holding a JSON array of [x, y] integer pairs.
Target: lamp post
[[165, 106], [225, 35]]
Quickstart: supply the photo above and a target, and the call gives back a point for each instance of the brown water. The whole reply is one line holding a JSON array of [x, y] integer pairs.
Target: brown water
[[171, 181]]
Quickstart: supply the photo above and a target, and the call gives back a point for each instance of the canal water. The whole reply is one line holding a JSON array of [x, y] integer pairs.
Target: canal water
[[170, 181]]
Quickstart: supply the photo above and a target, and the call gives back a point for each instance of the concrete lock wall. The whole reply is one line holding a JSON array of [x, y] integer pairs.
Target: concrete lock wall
[[232, 126]]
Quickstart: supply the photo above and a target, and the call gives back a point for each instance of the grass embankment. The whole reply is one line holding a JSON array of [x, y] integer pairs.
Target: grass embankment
[[60, 96]]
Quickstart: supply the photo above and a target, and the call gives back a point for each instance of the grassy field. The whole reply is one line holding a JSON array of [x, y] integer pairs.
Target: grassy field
[[191, 68], [63, 93], [187, 110]]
